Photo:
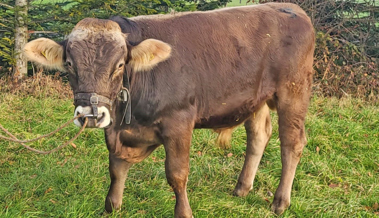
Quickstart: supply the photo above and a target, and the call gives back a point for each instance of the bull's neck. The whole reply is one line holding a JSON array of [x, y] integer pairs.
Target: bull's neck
[[144, 106], [143, 103]]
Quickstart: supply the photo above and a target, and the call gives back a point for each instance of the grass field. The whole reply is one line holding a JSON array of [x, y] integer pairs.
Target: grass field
[[337, 176], [239, 3]]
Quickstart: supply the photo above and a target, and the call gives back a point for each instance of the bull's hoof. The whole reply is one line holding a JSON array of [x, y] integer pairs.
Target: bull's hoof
[[241, 191], [183, 212], [183, 215], [111, 206], [279, 206]]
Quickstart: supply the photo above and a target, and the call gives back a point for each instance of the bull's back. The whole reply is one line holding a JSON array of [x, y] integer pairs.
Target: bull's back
[[231, 58]]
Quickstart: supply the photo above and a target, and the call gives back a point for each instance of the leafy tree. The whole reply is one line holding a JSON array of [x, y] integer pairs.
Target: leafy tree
[[6, 35], [210, 5]]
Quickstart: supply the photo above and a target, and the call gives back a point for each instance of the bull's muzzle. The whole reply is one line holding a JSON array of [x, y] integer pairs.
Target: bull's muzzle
[[98, 117], [101, 120]]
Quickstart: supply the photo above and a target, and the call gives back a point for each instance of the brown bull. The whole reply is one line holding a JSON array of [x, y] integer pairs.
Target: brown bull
[[214, 69]]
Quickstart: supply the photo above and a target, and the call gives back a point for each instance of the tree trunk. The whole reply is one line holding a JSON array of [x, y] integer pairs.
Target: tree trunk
[[21, 34]]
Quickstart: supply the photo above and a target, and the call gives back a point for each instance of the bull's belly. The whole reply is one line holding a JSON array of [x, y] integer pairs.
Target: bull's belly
[[215, 122], [221, 115], [228, 117]]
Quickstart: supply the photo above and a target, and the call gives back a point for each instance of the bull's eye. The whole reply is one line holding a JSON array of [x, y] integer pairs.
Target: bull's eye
[[68, 63], [120, 65]]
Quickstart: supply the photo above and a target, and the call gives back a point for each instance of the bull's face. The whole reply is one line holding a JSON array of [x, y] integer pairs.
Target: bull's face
[[95, 55]]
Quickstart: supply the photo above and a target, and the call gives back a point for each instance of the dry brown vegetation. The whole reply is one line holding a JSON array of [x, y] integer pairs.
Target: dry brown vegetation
[[39, 86]]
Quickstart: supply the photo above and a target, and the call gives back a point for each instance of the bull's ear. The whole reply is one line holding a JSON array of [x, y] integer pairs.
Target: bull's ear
[[45, 52], [148, 54]]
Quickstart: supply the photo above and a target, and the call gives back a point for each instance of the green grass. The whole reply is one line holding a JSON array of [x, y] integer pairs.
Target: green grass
[[234, 3], [342, 151]]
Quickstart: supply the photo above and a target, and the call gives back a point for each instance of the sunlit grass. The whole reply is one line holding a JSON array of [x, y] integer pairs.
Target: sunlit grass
[[234, 3]]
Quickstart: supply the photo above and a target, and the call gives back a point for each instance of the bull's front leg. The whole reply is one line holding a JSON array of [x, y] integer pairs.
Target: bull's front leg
[[177, 141], [119, 164], [118, 169], [177, 168]]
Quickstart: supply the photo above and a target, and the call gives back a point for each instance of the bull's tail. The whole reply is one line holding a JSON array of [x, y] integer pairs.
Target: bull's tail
[[224, 137]]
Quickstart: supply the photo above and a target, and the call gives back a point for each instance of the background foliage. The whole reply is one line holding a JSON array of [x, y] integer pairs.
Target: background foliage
[[346, 57], [6, 34]]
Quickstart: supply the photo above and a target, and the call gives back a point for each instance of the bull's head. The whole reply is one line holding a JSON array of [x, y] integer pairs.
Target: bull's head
[[95, 55]]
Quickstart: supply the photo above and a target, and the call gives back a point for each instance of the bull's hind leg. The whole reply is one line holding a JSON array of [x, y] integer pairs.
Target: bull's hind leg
[[258, 130], [292, 105]]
